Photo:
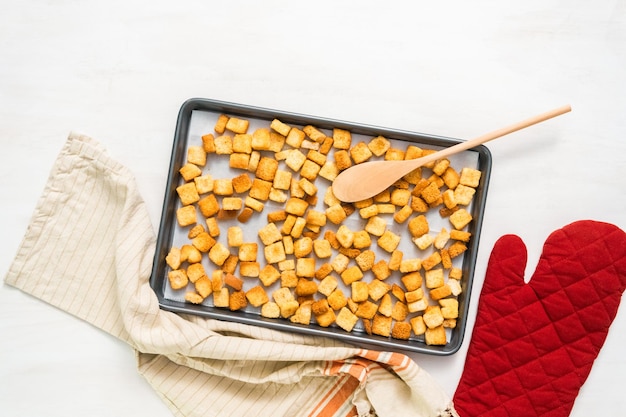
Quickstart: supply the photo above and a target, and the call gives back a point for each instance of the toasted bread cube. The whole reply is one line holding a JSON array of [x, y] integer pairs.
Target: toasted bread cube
[[446, 260], [296, 206], [455, 273], [410, 265], [239, 160], [326, 318], [212, 228], [342, 139], [365, 260], [322, 248], [366, 310], [379, 145], [320, 307], [403, 214], [359, 291], [440, 292], [389, 241], [289, 308], [381, 325], [350, 252], [317, 157], [385, 306], [376, 226], [307, 186], [237, 125], [189, 171], [302, 247], [269, 234], [224, 145], [277, 195], [233, 282], [203, 242], [269, 275], [275, 252], [313, 133], [360, 153], [245, 215], [369, 211], [460, 219], [398, 292], [413, 152], [282, 180], [237, 300], [342, 160], [335, 214], [344, 236], [346, 319], [381, 270], [260, 189], [449, 308], [305, 287], [337, 300], [352, 305], [270, 310], [418, 205], [261, 139], [220, 125], [221, 297], [418, 226], [298, 227], [295, 160], [361, 240], [208, 142], [424, 241], [435, 336], [282, 296], [340, 263], [377, 289], [326, 145], [431, 261], [413, 296], [248, 252], [309, 170], [430, 193], [456, 249], [393, 154], [401, 330], [329, 171], [218, 254], [460, 235], [204, 286], [204, 184], [448, 199], [455, 286], [280, 127], [242, 143], [266, 170], [302, 314], [190, 254], [178, 279], [414, 176], [400, 197], [463, 194], [223, 187], [196, 155], [217, 280], [470, 177], [295, 137], [287, 264], [417, 325], [241, 183], [253, 162], [254, 204], [257, 296], [323, 271], [419, 305], [186, 215], [173, 258], [433, 317], [188, 193], [305, 267], [328, 285], [230, 264], [231, 203], [208, 206], [351, 275], [400, 311], [412, 280], [442, 238], [395, 260]]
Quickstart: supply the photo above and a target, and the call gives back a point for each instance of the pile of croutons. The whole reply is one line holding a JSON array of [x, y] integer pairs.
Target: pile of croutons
[[305, 264]]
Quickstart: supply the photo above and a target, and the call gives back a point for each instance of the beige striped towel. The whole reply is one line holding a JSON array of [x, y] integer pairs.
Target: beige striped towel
[[88, 250]]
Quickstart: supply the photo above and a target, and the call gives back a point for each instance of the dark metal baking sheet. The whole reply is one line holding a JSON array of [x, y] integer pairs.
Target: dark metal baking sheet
[[197, 117]]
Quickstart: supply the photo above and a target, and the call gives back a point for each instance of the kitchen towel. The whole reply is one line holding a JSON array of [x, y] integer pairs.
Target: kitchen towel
[[88, 251]]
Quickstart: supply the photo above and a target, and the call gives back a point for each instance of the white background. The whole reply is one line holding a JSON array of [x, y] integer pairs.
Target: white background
[[119, 71]]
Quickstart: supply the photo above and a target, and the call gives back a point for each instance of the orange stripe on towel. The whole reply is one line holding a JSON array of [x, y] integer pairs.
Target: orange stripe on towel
[[336, 397]]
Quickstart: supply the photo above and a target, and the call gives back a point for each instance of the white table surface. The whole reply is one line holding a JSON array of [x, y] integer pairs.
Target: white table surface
[[119, 71]]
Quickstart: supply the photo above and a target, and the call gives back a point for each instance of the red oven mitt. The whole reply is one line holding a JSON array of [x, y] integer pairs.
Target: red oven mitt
[[533, 344]]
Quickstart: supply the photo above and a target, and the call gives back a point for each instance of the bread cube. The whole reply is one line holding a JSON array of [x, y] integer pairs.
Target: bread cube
[[178, 279], [239, 160], [269, 234], [237, 125], [417, 325], [389, 241], [381, 325], [360, 153], [470, 177], [381, 270], [268, 275], [359, 291], [208, 142], [351, 275], [275, 252], [346, 319], [270, 310], [377, 289], [379, 145], [342, 160], [186, 215], [189, 171], [401, 330], [218, 254], [188, 193], [337, 300]]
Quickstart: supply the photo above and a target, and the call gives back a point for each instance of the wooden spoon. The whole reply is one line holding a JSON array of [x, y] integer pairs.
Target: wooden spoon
[[365, 180]]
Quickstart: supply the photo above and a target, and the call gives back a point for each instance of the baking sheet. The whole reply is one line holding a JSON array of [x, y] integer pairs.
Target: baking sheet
[[197, 117]]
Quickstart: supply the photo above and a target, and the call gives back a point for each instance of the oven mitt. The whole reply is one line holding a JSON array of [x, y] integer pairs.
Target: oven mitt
[[534, 343]]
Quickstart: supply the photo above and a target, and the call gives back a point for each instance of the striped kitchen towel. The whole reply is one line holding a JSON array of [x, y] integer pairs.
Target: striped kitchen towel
[[88, 251]]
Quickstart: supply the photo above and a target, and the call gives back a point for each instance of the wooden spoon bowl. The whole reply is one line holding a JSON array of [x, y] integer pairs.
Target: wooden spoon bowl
[[368, 179]]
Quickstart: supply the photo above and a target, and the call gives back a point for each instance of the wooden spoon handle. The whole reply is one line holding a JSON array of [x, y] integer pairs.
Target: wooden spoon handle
[[462, 146]]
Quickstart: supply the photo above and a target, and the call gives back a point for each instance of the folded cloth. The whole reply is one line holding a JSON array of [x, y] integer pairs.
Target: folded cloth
[[89, 250]]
